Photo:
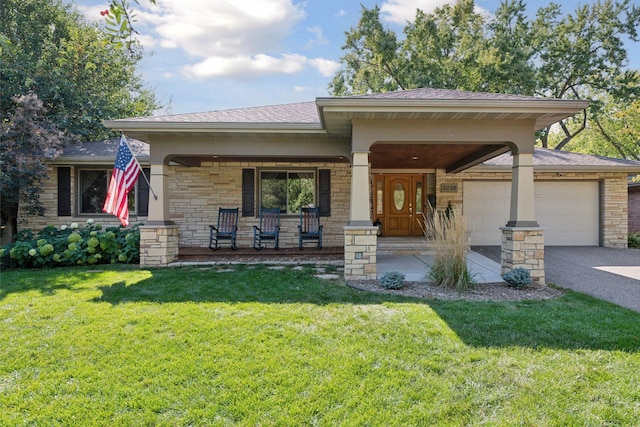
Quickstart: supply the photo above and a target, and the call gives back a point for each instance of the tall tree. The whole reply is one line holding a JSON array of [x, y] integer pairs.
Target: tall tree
[[48, 48], [27, 140], [578, 56]]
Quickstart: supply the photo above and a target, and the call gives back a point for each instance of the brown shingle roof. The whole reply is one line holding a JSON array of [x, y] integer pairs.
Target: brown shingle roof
[[442, 94], [548, 157], [301, 112]]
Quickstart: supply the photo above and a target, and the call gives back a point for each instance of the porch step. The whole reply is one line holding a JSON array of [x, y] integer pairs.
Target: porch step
[[404, 246]]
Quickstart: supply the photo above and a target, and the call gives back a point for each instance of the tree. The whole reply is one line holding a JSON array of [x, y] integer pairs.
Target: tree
[[578, 56], [120, 18], [48, 48], [27, 140]]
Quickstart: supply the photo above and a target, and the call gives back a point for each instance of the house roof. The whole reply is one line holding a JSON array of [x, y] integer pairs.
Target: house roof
[[101, 152], [332, 116], [554, 160]]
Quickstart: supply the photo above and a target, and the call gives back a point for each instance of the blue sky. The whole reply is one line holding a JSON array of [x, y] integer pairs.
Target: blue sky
[[217, 54]]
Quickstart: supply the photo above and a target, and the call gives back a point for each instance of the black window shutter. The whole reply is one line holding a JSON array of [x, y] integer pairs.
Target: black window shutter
[[324, 192], [248, 193], [143, 193], [64, 191]]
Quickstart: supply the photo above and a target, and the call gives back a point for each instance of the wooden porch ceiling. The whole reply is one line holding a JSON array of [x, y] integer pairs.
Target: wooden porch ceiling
[[451, 157]]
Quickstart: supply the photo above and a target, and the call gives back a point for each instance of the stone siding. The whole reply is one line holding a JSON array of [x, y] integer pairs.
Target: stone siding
[[634, 209], [197, 193]]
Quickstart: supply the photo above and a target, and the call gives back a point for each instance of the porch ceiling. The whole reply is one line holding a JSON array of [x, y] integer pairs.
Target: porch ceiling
[[452, 157]]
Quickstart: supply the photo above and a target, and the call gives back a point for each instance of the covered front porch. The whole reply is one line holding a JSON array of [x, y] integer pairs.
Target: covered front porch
[[203, 161]]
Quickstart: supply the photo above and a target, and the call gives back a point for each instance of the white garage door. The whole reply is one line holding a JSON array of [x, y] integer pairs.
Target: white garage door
[[568, 211]]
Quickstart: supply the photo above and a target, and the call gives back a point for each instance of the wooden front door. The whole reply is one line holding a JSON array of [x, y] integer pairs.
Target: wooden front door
[[402, 204]]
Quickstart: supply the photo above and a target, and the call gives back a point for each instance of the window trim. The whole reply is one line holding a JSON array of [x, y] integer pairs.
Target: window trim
[[259, 172], [109, 171]]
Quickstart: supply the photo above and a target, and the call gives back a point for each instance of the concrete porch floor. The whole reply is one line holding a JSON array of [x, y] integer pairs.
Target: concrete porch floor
[[411, 256]]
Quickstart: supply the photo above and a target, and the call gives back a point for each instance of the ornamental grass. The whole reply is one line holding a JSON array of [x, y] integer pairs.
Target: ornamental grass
[[447, 233]]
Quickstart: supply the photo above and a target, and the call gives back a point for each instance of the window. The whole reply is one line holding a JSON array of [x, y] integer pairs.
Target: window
[[93, 187], [287, 190]]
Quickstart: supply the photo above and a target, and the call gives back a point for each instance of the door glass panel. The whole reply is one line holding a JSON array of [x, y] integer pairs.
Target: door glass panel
[[379, 197], [418, 197], [398, 196]]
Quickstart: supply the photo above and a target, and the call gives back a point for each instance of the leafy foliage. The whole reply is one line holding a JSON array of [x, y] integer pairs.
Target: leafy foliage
[[73, 245], [392, 280], [575, 56], [634, 240], [27, 140], [48, 48], [517, 278], [120, 19]]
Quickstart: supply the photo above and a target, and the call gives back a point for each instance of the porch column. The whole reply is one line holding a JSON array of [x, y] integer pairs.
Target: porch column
[[522, 237], [159, 235], [360, 236]]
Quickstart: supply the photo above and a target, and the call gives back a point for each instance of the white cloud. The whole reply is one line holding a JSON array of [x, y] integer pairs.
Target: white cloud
[[319, 38], [246, 67], [221, 28], [326, 67], [403, 11]]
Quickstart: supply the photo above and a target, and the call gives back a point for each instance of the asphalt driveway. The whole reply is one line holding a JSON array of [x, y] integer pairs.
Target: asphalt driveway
[[606, 273]]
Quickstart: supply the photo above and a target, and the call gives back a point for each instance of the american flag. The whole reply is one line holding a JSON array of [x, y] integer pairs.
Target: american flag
[[125, 173]]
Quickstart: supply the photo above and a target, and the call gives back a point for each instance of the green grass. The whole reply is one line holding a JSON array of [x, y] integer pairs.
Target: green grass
[[196, 346]]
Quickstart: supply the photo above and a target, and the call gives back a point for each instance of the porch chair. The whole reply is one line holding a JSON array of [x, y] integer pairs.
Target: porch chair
[[310, 228], [269, 228], [226, 229]]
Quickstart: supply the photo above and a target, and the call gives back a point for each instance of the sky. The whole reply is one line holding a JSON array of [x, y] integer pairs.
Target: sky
[[205, 55]]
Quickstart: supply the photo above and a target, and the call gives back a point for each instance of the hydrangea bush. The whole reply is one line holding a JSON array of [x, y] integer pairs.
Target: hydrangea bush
[[72, 245]]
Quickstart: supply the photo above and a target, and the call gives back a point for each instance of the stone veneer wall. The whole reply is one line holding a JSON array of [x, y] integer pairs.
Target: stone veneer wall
[[361, 245], [524, 248], [196, 193], [634, 209], [49, 198]]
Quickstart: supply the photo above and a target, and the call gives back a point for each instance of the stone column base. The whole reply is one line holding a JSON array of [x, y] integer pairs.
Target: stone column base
[[524, 247], [158, 245], [360, 246]]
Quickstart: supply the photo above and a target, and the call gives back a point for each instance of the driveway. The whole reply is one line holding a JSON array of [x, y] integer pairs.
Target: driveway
[[606, 273]]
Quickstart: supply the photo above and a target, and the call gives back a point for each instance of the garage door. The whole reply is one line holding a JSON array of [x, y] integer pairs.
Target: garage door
[[568, 211]]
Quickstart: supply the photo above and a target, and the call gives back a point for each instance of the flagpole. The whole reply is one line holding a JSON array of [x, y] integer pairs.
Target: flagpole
[[122, 136]]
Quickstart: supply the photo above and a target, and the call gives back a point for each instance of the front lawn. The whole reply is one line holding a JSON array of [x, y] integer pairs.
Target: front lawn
[[254, 346]]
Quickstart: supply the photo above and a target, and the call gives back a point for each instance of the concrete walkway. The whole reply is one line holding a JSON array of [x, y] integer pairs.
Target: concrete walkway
[[416, 267]]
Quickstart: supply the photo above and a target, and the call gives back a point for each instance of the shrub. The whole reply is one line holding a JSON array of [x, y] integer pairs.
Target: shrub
[[634, 240], [517, 278], [73, 245], [392, 280], [447, 232]]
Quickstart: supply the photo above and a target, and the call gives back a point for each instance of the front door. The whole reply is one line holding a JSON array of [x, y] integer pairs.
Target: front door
[[400, 203]]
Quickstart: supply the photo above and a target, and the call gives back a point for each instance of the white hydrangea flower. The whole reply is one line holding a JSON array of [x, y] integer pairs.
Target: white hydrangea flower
[[90, 221], [63, 227], [74, 225]]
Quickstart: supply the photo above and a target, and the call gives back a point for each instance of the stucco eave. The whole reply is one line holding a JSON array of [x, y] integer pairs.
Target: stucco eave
[[211, 127], [92, 161], [544, 105]]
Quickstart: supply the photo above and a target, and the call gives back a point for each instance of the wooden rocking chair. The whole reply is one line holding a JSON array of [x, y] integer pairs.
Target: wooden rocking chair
[[269, 228], [310, 228], [226, 229]]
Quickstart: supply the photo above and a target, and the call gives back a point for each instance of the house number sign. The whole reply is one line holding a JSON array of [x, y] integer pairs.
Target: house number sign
[[451, 187]]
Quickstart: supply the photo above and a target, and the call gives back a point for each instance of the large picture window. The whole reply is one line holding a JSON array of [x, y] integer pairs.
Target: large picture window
[[287, 190], [93, 185]]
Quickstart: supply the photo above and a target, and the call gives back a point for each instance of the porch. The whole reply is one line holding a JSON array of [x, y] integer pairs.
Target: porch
[[409, 255]]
